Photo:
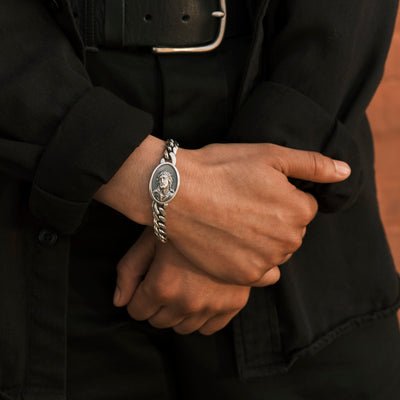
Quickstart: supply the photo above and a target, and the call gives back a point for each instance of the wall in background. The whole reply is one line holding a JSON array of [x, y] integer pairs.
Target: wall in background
[[384, 115]]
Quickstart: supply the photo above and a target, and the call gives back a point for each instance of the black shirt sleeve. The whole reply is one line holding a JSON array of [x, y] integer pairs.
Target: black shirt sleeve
[[56, 129], [321, 63]]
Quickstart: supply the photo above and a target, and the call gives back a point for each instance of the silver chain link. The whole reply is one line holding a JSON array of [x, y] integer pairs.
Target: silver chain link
[[159, 210]]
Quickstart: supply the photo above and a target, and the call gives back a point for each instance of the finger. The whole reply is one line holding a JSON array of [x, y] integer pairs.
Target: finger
[[216, 323], [286, 258], [269, 278], [132, 267], [310, 166], [312, 204], [142, 306], [166, 318], [191, 324]]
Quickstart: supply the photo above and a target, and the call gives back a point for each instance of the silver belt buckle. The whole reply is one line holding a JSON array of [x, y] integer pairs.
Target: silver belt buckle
[[201, 49]]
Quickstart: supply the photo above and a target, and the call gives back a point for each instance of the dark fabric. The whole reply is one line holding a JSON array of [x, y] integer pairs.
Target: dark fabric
[[112, 356], [308, 63], [321, 62], [311, 94], [79, 176], [114, 23], [48, 106]]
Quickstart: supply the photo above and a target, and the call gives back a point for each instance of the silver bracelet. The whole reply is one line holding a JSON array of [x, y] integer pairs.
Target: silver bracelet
[[163, 187]]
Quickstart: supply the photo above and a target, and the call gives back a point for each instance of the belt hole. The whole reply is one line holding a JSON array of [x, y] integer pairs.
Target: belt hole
[[185, 18], [148, 18]]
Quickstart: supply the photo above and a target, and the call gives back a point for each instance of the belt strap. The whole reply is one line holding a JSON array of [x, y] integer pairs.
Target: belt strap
[[178, 23]]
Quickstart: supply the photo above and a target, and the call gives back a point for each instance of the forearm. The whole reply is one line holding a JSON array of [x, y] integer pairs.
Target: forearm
[[127, 191]]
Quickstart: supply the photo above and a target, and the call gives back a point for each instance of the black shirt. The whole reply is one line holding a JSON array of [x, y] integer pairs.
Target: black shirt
[[319, 66]]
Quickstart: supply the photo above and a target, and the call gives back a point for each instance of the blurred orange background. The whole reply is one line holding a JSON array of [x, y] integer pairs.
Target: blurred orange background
[[384, 115]]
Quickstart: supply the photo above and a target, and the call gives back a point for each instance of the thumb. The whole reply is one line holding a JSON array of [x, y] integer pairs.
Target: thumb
[[132, 267], [311, 166]]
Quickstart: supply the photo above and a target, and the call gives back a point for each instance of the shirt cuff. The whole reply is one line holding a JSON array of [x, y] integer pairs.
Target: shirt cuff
[[278, 114], [92, 142]]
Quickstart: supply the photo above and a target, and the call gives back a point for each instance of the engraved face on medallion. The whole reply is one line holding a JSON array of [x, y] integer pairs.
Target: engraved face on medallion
[[164, 192], [164, 183]]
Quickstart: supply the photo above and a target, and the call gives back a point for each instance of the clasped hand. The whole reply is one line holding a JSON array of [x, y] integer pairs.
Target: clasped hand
[[158, 284], [235, 219], [237, 207]]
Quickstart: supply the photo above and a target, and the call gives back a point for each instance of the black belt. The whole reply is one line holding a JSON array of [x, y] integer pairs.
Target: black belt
[[159, 23]]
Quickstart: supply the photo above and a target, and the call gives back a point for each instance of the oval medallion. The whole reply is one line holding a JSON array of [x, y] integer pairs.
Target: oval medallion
[[164, 183]]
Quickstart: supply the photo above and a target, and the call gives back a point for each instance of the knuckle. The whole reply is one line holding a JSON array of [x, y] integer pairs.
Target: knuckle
[[294, 243], [277, 259], [254, 273], [270, 148], [307, 209], [279, 160], [160, 293], [215, 305], [317, 162], [286, 258], [192, 306], [165, 296], [283, 255], [240, 302], [270, 154]]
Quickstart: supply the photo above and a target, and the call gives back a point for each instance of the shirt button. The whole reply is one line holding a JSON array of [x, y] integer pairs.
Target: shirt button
[[47, 237]]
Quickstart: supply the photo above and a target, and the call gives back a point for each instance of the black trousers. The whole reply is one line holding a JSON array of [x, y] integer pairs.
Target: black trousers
[[111, 356]]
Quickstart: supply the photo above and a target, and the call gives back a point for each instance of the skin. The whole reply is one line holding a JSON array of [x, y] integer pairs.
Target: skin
[[236, 203], [158, 284]]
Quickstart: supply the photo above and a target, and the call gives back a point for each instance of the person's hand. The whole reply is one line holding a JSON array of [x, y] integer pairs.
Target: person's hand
[[159, 285], [236, 207]]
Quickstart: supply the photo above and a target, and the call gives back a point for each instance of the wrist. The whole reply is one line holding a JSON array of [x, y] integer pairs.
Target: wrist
[[127, 191]]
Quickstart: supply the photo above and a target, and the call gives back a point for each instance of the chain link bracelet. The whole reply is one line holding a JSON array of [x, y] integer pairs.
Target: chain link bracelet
[[163, 187]]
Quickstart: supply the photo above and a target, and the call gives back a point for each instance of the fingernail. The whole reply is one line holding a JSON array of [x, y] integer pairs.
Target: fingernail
[[342, 168], [117, 295]]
